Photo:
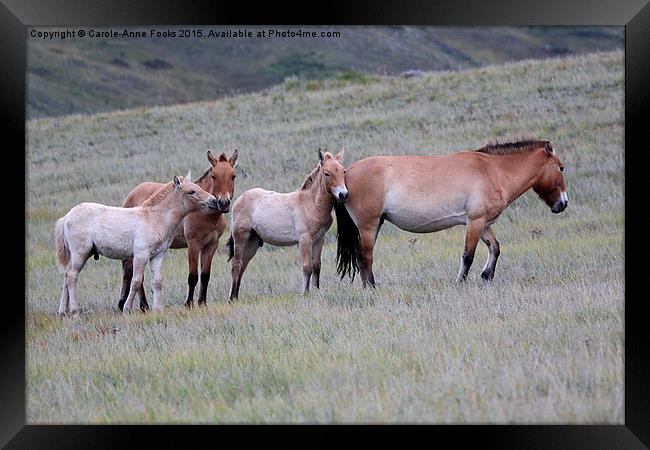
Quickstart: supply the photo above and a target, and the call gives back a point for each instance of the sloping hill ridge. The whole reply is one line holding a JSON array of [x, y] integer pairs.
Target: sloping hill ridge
[[92, 74]]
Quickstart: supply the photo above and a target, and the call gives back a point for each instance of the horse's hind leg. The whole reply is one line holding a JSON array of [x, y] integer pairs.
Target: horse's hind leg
[[368, 232], [206, 263], [472, 235], [71, 275], [493, 246], [245, 245], [63, 305], [193, 275], [252, 245]]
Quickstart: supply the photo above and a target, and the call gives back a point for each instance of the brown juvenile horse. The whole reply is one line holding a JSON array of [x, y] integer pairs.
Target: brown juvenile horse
[[199, 232], [423, 194]]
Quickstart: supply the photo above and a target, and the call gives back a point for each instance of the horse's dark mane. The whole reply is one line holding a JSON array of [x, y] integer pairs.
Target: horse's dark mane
[[159, 195], [513, 147], [204, 176], [309, 180]]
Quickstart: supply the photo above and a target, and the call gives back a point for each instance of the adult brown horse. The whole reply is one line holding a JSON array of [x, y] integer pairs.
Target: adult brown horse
[[423, 194], [199, 232]]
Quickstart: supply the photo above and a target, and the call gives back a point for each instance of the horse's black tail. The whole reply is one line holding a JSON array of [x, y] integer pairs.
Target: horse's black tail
[[347, 243], [230, 247]]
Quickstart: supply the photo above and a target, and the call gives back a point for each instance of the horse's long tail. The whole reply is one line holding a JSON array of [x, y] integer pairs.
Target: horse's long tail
[[62, 249], [347, 243], [230, 247]]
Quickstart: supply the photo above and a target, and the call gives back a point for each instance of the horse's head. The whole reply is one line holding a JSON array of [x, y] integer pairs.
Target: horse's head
[[223, 178], [334, 175], [550, 183], [193, 197]]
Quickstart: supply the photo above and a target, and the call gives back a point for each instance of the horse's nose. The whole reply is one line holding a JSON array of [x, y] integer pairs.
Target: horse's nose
[[560, 206], [343, 195], [224, 203]]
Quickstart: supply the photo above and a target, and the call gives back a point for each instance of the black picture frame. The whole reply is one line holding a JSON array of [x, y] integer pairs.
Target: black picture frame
[[16, 15]]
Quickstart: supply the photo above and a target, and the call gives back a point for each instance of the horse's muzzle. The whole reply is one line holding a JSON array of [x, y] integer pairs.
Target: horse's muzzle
[[559, 206], [224, 204], [211, 205], [341, 195]]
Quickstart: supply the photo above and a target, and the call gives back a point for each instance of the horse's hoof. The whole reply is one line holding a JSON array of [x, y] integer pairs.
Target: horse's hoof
[[487, 276], [202, 303], [75, 314], [189, 305]]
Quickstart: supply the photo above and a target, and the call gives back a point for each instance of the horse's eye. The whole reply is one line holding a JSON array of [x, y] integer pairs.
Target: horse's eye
[[213, 177], [327, 174], [234, 176], [192, 192], [562, 169]]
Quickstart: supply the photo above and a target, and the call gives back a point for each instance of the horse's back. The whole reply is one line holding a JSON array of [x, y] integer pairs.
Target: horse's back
[[416, 193], [140, 193]]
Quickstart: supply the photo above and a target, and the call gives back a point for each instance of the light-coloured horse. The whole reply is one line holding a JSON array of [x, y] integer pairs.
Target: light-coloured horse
[[199, 232], [423, 194], [301, 217], [143, 233]]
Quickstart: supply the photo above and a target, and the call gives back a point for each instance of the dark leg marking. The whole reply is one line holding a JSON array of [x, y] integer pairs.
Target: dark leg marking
[[468, 258], [192, 280], [205, 278]]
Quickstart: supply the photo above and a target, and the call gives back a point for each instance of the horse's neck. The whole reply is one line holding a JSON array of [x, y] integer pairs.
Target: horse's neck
[[519, 173], [169, 212], [318, 193]]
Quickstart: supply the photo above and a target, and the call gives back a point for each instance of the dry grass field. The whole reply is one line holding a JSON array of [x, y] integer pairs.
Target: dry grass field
[[542, 343]]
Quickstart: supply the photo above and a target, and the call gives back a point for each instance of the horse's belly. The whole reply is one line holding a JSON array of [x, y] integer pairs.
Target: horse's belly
[[424, 212], [115, 252], [274, 225], [425, 223]]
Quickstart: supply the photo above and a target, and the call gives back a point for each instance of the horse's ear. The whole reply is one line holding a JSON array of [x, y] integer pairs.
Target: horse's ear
[[233, 158], [321, 157], [211, 158], [177, 182], [548, 148], [188, 177], [339, 156]]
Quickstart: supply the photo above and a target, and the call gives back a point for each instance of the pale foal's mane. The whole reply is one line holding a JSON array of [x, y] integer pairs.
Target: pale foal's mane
[[309, 180], [158, 196], [521, 145]]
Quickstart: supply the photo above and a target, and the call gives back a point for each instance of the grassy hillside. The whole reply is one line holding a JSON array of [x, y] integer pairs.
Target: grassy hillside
[[86, 75], [542, 343]]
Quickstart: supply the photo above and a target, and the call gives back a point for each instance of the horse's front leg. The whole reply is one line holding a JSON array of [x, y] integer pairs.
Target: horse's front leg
[[317, 248], [493, 246], [472, 235], [155, 264], [206, 263], [305, 244], [193, 275], [139, 264]]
